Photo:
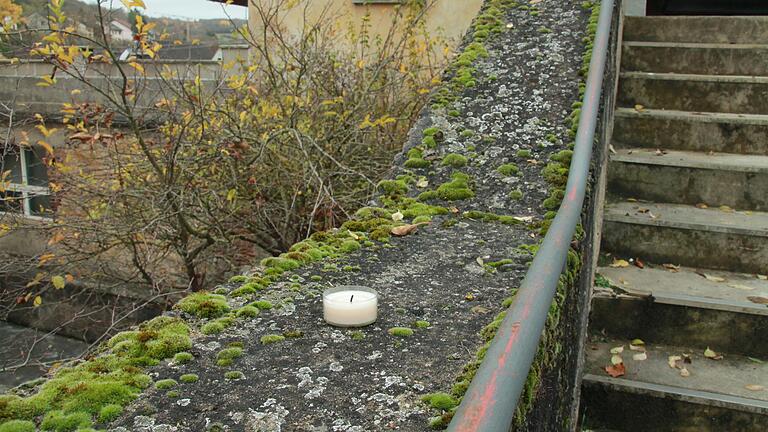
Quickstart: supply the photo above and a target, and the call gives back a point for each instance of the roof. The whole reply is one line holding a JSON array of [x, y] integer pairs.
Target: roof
[[235, 2]]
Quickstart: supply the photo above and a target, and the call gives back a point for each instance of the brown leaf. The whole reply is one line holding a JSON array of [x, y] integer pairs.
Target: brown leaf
[[758, 300], [81, 136], [616, 371], [754, 387], [701, 206], [710, 354], [404, 230], [639, 263], [684, 373], [709, 277], [672, 361], [671, 267]]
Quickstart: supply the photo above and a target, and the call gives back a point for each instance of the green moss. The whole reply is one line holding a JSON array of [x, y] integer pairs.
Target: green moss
[[357, 335], [422, 324], [234, 375], [189, 378], [555, 174], [428, 195], [422, 219], [524, 153], [417, 163], [350, 268], [293, 334], [497, 264], [350, 246], [430, 131], [18, 426], [272, 338], [316, 278], [393, 187], [226, 356], [280, 263], [441, 401], [58, 421], [182, 357], [247, 311], [165, 384], [212, 327], [109, 413], [429, 142], [555, 198], [508, 170], [238, 279], [467, 133], [204, 305], [454, 160], [221, 291], [456, 189], [400, 331], [516, 194], [263, 304], [491, 217]]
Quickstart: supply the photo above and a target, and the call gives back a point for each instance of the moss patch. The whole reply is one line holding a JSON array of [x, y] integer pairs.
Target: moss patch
[[204, 305], [400, 331]]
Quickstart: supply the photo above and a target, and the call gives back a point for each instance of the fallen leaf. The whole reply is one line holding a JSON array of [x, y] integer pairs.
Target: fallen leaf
[[671, 267], [422, 183], [38, 301], [479, 309], [397, 216], [617, 350], [754, 387], [58, 282], [639, 263], [632, 199], [660, 152], [480, 261], [672, 361], [758, 300], [611, 149], [353, 235], [523, 218], [684, 373], [619, 263], [726, 209], [702, 206], [754, 360], [637, 348], [510, 25], [404, 230], [616, 359], [616, 371], [639, 108], [710, 354], [741, 287], [640, 356], [454, 210], [637, 342], [762, 277], [469, 296], [709, 277]]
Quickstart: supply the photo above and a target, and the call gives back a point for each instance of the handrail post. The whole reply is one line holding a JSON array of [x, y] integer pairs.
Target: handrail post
[[490, 401]]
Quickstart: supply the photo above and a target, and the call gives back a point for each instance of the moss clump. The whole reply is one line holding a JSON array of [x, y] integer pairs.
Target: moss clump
[[182, 357], [428, 195], [212, 327], [247, 311], [454, 160], [280, 263], [400, 331], [204, 305], [393, 187], [430, 131], [555, 174], [357, 335], [238, 279], [226, 356], [422, 324], [293, 334], [165, 384], [524, 153], [348, 246], [109, 413], [58, 421], [491, 217], [516, 194], [508, 170], [456, 189], [189, 378], [555, 198], [422, 219], [316, 278], [263, 304], [350, 268], [416, 159], [18, 426], [272, 338], [234, 375], [441, 401]]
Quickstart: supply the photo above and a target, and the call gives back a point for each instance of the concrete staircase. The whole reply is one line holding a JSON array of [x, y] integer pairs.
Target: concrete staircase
[[687, 196]]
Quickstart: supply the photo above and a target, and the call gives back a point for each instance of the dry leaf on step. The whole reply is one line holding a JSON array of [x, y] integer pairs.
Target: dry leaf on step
[[709, 277], [684, 373], [640, 356], [758, 300], [710, 354], [639, 108], [616, 359], [617, 350], [404, 230], [754, 387], [616, 371], [397, 216], [619, 263], [741, 287], [672, 361], [671, 267]]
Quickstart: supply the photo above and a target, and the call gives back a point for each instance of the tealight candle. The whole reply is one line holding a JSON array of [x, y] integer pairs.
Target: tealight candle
[[350, 306]]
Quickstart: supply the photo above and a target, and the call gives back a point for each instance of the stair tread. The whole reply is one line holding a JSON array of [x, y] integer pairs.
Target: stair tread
[[725, 381], [751, 223], [671, 76], [758, 119], [692, 159], [694, 45], [688, 287]]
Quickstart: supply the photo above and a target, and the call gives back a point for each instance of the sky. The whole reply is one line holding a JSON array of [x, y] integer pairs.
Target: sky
[[190, 9]]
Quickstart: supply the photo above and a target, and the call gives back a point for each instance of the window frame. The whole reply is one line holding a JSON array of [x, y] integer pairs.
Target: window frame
[[27, 191]]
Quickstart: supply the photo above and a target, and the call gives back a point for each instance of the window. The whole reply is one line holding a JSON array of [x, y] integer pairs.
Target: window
[[27, 192]]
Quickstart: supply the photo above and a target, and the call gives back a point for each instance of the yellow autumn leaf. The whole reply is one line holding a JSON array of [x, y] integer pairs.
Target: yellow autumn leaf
[[38, 301], [58, 282], [46, 146], [130, 4], [137, 66], [231, 195], [619, 263]]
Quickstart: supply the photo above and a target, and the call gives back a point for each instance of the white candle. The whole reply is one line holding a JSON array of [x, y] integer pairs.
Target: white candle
[[350, 306]]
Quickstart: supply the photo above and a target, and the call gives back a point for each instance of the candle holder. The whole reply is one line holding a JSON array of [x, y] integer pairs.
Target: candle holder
[[350, 306]]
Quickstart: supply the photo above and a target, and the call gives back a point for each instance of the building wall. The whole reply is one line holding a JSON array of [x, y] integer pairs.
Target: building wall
[[449, 18]]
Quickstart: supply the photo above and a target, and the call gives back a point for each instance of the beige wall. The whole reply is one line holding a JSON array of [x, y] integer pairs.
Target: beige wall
[[449, 18]]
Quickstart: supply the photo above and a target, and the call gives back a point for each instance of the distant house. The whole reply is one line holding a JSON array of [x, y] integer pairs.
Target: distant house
[[36, 21], [120, 31]]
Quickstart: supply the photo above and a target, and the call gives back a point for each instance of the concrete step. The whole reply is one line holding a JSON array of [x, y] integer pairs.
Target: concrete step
[[697, 29], [717, 395], [685, 235], [695, 58], [720, 179], [694, 131], [681, 306], [687, 92]]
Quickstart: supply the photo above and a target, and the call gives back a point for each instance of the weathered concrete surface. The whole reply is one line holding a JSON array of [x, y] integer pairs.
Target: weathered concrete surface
[[703, 93], [695, 131], [694, 58], [697, 29], [325, 380]]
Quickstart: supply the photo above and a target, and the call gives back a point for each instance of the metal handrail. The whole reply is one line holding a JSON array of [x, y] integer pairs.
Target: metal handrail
[[491, 399]]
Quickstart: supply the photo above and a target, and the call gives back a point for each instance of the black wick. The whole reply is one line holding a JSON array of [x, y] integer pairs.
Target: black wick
[[350, 299]]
